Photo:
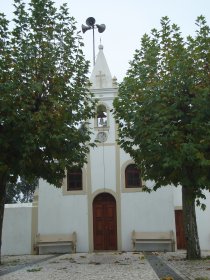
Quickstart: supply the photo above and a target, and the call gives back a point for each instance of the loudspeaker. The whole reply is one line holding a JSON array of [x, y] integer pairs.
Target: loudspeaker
[[85, 28], [90, 21], [101, 27]]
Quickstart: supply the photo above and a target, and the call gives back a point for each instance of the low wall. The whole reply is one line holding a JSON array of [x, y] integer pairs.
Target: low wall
[[17, 229]]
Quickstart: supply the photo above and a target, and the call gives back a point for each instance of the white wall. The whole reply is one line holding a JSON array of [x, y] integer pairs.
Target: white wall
[[63, 214], [111, 134], [16, 235], [177, 196], [146, 212], [203, 222], [103, 164], [203, 217]]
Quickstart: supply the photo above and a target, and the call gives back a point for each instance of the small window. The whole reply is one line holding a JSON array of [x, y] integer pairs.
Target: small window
[[132, 177], [74, 179], [101, 116]]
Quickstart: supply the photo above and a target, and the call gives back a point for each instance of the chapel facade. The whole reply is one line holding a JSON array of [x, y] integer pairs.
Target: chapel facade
[[103, 202]]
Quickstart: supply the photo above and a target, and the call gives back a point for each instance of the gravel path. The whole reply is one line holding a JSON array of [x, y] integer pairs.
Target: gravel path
[[189, 269], [162, 268], [13, 264], [100, 266]]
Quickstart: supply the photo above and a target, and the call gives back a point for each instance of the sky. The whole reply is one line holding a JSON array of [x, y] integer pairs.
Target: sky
[[126, 22]]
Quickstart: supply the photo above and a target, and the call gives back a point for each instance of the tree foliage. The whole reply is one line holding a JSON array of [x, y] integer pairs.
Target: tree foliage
[[163, 108], [44, 93], [45, 102], [21, 191]]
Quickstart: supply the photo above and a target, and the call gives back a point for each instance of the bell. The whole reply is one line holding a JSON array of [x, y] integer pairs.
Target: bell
[[101, 115], [101, 121]]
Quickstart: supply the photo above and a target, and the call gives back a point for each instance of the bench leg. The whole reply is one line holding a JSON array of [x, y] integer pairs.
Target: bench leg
[[134, 246], [173, 246], [73, 247], [36, 250]]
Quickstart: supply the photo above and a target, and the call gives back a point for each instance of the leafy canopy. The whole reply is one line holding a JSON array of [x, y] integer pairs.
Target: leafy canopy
[[21, 191], [45, 102], [163, 107]]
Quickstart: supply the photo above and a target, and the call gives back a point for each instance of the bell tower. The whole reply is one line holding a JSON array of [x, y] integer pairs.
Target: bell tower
[[104, 88], [103, 168]]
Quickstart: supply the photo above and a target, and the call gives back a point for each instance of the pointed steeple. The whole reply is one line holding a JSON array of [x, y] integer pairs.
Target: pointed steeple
[[101, 76]]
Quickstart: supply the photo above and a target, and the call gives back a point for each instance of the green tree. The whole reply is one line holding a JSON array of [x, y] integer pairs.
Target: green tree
[[45, 101], [164, 117], [21, 191]]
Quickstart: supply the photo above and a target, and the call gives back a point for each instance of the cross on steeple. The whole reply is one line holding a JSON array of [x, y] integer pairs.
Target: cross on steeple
[[100, 77]]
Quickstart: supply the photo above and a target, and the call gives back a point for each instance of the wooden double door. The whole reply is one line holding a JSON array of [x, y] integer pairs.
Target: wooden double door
[[104, 222]]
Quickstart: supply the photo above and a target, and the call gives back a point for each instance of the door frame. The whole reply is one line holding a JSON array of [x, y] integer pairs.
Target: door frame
[[90, 198], [106, 219], [183, 241]]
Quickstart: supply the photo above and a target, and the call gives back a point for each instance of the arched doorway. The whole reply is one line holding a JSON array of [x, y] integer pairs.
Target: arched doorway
[[104, 222]]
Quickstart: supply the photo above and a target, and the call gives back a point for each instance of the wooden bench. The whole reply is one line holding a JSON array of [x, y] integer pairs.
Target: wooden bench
[[153, 237], [44, 240]]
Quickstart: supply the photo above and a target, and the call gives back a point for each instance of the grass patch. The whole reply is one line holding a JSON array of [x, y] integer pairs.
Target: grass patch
[[206, 258], [95, 263], [34, 269], [70, 259], [62, 268], [14, 262]]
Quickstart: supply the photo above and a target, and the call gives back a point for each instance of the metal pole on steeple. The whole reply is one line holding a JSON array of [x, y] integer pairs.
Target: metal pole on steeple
[[91, 24], [94, 60]]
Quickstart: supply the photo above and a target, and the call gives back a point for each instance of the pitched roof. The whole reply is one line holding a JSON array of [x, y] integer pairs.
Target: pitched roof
[[101, 76]]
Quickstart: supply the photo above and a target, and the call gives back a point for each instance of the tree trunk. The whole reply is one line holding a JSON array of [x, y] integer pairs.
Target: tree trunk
[[3, 180], [190, 224]]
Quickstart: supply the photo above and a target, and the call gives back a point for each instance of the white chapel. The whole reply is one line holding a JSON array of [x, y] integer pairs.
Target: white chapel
[[103, 202]]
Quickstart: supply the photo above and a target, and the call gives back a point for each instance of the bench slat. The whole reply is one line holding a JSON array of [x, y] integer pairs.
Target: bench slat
[[153, 237], [43, 240], [53, 244], [54, 238], [153, 241]]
